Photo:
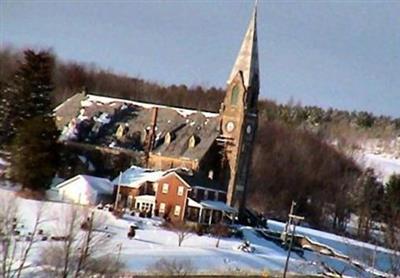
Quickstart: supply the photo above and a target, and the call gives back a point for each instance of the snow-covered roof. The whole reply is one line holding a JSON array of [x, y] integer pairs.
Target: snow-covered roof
[[214, 205], [146, 198], [135, 176], [100, 185], [108, 113], [217, 205], [56, 181], [91, 98], [193, 203]]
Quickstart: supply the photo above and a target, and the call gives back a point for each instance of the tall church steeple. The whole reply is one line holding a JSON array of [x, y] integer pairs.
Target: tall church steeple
[[247, 59], [239, 116]]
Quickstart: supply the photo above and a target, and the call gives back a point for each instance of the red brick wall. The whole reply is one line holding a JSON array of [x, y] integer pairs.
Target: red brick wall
[[171, 199], [125, 192]]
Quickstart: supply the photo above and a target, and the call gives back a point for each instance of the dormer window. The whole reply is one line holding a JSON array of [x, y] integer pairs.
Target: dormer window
[[122, 130], [193, 141], [169, 137]]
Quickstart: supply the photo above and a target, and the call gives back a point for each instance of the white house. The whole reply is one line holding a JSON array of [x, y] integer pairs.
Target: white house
[[86, 190]]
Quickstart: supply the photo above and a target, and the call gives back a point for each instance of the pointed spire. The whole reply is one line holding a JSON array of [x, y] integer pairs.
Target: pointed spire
[[247, 59]]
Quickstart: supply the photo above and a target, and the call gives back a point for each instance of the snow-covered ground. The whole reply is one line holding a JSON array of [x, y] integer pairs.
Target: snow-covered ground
[[367, 253], [153, 242], [384, 165]]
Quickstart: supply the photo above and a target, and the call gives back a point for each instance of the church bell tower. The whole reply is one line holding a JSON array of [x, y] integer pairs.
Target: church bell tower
[[239, 116]]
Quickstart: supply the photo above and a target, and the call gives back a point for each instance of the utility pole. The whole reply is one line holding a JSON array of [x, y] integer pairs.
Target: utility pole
[[118, 189], [286, 230], [292, 219]]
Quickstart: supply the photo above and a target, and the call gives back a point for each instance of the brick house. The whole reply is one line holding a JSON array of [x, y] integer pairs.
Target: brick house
[[176, 194], [133, 182], [172, 197], [183, 195]]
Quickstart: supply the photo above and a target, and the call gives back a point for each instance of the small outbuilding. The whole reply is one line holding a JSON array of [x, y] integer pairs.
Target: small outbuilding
[[86, 190]]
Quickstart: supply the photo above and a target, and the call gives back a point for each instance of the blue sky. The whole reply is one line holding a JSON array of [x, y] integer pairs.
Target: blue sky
[[342, 54]]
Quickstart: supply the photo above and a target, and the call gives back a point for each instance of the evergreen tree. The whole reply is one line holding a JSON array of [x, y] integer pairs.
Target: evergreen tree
[[34, 146], [8, 113], [33, 83], [28, 93], [34, 153]]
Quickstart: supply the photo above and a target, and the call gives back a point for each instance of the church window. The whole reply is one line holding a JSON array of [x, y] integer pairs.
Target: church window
[[235, 95]]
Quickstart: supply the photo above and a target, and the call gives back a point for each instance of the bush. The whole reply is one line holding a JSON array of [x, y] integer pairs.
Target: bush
[[172, 268]]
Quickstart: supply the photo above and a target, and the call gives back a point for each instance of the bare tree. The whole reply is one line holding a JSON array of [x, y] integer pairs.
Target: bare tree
[[15, 247], [172, 268], [82, 249], [219, 230], [30, 240], [182, 230]]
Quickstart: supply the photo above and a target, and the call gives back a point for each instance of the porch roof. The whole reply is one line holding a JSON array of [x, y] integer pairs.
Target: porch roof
[[217, 205], [214, 205], [193, 203], [146, 198]]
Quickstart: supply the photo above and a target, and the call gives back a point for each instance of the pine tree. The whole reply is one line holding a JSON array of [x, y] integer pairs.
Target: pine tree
[[34, 154], [28, 93], [33, 83], [8, 114]]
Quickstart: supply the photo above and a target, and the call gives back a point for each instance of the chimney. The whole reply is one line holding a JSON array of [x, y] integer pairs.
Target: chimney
[[151, 137]]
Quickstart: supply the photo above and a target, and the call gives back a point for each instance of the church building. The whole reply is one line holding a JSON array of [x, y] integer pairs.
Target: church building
[[218, 146]]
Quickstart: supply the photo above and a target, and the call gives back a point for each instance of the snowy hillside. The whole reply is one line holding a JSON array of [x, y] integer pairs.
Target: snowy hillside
[[384, 164], [153, 242]]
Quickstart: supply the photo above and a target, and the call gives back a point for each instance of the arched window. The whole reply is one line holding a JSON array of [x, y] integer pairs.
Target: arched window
[[235, 95]]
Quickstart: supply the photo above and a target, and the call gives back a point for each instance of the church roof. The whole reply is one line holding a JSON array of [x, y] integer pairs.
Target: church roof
[[108, 114], [247, 59]]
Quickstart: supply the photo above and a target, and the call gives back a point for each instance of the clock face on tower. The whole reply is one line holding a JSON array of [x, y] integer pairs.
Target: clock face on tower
[[230, 126]]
